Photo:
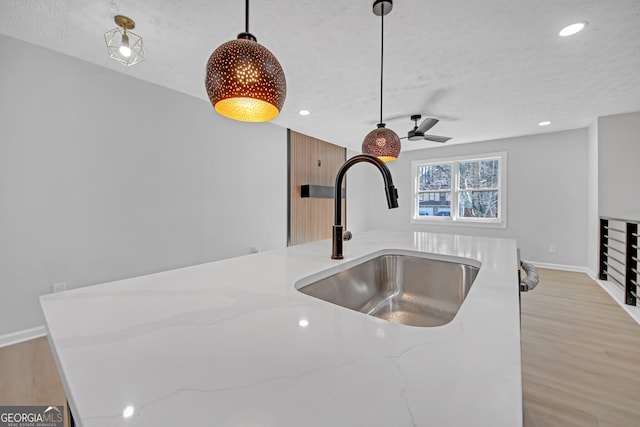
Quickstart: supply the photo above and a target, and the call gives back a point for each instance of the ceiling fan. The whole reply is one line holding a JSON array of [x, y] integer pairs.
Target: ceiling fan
[[418, 132]]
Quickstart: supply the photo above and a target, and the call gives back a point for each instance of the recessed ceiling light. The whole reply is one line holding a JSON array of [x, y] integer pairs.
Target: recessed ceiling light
[[545, 123], [570, 30], [128, 411], [304, 112]]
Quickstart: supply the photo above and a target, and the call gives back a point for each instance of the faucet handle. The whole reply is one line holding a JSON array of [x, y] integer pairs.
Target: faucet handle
[[347, 235]]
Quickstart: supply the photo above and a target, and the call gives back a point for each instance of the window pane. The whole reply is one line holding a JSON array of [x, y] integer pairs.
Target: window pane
[[434, 204], [478, 204], [479, 175], [434, 177]]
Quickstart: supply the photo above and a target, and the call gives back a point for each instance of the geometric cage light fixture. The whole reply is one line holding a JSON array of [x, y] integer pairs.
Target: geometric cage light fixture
[[123, 45]]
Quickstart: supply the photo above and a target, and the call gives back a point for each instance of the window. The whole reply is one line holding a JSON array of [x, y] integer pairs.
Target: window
[[466, 190]]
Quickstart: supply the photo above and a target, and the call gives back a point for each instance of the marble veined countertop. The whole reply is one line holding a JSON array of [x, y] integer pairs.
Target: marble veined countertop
[[232, 343]]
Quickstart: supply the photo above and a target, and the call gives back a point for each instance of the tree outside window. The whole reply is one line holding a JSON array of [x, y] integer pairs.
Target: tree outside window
[[459, 190]]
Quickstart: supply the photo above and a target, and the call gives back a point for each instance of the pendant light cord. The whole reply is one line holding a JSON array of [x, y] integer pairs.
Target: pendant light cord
[[246, 16], [381, 57]]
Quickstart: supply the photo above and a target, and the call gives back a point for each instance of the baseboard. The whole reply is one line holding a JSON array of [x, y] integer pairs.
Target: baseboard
[[617, 293], [564, 267], [592, 274], [21, 336]]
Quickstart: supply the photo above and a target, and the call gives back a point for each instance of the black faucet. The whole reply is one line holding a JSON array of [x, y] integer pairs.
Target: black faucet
[[389, 188]]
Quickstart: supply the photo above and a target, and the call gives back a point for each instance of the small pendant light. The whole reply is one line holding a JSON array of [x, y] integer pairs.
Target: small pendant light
[[123, 45], [244, 80], [382, 142]]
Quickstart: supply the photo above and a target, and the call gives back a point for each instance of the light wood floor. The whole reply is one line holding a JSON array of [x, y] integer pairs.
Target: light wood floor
[[580, 355], [28, 375], [580, 359]]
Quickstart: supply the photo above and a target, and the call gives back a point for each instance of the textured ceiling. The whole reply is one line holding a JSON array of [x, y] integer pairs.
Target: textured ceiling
[[488, 69]]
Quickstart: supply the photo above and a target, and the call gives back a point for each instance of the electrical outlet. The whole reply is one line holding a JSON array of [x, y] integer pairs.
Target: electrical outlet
[[58, 287], [553, 249]]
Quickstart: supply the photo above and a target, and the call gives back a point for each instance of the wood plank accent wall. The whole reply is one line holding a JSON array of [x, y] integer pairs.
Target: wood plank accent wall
[[311, 161]]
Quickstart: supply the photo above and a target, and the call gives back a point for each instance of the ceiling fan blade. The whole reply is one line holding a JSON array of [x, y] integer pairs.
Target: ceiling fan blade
[[427, 124], [432, 104], [389, 119], [436, 138], [394, 118]]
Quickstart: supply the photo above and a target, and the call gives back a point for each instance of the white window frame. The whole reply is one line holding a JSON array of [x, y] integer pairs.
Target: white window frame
[[455, 219]]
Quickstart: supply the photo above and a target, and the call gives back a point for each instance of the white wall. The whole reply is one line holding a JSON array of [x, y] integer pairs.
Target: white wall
[[359, 179], [593, 222], [547, 194], [618, 162], [103, 177]]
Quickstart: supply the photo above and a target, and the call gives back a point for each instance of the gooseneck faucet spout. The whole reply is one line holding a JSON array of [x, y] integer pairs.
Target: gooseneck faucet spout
[[389, 188]]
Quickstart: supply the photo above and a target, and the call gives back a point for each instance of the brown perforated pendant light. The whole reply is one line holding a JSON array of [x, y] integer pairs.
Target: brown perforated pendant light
[[244, 80], [382, 142]]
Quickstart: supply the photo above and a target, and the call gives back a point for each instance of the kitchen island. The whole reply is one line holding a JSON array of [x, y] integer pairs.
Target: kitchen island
[[233, 343]]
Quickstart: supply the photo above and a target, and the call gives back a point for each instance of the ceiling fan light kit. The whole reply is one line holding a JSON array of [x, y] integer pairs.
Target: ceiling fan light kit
[[382, 142], [244, 79]]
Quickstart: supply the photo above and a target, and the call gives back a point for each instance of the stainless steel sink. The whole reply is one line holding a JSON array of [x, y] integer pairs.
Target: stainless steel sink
[[405, 289]]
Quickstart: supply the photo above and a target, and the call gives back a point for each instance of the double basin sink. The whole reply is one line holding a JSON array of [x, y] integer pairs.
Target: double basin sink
[[408, 289]]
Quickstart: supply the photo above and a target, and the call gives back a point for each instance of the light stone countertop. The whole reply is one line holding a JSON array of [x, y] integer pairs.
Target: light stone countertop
[[220, 344]]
